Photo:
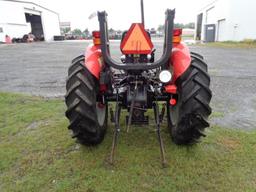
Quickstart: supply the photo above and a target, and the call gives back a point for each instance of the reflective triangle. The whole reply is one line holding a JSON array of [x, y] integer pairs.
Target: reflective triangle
[[136, 41]]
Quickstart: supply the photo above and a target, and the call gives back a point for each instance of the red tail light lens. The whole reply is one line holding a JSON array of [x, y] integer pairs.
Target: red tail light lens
[[177, 32], [177, 35], [96, 34], [96, 37]]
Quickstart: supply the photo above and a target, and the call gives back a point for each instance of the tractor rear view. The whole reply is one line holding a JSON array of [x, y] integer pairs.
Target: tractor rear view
[[136, 83]]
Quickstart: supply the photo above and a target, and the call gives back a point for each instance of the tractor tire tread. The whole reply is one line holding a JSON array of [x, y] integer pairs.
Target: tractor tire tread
[[194, 108], [81, 104]]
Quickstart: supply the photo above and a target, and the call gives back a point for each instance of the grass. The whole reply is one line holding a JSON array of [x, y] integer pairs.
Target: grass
[[37, 154], [217, 114], [187, 37], [232, 44]]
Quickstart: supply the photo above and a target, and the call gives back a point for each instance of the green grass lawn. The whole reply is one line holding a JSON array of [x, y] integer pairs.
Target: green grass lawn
[[37, 154], [231, 44]]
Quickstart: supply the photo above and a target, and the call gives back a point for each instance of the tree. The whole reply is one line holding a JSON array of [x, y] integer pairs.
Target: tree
[[178, 25], [77, 32], [66, 30], [86, 33], [160, 28], [190, 25], [111, 31]]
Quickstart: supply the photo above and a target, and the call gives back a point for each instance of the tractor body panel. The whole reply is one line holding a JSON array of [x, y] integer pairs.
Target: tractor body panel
[[180, 60], [93, 60]]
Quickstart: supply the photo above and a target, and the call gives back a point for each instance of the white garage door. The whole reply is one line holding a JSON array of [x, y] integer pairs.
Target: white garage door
[[221, 30]]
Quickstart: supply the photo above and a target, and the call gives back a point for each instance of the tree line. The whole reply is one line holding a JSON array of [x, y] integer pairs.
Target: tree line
[[87, 34]]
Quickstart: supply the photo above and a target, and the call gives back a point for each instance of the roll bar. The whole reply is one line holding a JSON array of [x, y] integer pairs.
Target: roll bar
[[169, 20]]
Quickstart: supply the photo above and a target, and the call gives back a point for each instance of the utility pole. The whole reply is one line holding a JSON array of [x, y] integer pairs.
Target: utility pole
[[142, 12]]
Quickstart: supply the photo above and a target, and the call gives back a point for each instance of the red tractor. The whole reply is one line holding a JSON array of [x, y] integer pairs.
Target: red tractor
[[179, 79]]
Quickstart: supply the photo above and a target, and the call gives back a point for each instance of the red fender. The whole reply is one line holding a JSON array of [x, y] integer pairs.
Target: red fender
[[180, 59], [93, 60]]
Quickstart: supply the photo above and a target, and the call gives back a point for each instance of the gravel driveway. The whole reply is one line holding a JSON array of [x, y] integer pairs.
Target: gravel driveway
[[41, 69]]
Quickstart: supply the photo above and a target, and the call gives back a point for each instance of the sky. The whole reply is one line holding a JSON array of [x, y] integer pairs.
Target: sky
[[121, 13]]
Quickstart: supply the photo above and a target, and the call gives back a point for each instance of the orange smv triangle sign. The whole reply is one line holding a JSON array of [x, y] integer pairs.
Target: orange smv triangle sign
[[136, 41]]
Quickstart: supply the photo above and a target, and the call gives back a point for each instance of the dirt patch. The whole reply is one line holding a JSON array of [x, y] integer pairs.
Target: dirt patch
[[229, 143], [37, 124], [33, 126]]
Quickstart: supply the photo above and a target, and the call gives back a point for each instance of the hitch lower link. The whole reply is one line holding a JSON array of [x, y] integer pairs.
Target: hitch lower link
[[116, 119]]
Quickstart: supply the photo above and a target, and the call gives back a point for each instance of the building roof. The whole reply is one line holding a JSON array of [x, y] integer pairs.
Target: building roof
[[208, 4], [29, 2]]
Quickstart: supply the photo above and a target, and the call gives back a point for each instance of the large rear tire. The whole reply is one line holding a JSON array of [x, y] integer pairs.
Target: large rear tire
[[188, 118], [88, 119]]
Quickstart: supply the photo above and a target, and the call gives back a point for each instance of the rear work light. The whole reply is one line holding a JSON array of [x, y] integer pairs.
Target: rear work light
[[165, 76], [177, 35], [96, 37]]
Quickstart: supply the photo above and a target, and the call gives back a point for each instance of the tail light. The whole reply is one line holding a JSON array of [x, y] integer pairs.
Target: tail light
[[173, 102], [96, 37], [177, 35]]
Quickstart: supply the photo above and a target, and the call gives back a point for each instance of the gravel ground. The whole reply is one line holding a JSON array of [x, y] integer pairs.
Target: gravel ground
[[41, 69]]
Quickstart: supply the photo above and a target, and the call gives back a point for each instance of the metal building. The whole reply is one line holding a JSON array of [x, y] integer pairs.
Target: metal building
[[227, 20], [18, 18]]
